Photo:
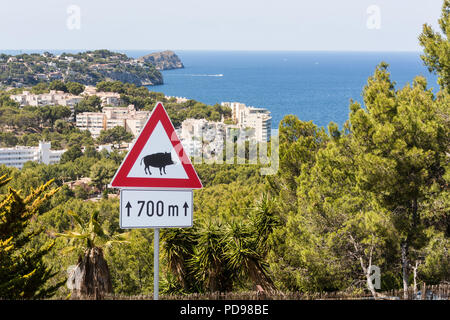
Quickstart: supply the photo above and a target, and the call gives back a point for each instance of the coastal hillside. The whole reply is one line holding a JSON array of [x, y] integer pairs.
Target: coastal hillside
[[165, 60], [87, 68]]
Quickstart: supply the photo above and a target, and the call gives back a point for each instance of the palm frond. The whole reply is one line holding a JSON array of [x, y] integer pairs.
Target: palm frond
[[72, 234]]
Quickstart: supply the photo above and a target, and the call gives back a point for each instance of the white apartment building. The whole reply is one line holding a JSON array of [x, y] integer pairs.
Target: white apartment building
[[177, 99], [52, 98], [192, 128], [258, 119], [92, 121], [108, 98], [56, 97], [251, 117], [192, 148], [17, 156], [110, 117], [201, 135], [198, 134]]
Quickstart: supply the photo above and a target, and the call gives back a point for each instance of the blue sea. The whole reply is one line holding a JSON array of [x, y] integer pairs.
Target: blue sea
[[313, 86]]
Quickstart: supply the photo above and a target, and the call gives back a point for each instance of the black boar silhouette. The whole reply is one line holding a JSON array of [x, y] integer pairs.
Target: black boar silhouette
[[157, 160]]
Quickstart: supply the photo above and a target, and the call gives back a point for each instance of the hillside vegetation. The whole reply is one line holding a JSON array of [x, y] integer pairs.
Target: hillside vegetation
[[87, 68]]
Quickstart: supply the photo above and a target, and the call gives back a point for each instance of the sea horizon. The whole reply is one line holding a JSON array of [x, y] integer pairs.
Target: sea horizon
[[58, 51], [315, 86]]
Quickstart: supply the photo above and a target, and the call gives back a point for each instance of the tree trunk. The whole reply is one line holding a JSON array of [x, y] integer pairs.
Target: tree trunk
[[405, 247], [415, 276], [369, 282], [259, 277], [405, 273], [91, 277]]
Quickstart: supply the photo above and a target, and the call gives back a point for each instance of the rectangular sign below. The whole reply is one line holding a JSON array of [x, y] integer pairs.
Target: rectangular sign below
[[155, 208]]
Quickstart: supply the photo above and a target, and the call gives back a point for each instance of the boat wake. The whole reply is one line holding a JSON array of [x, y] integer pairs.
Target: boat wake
[[199, 75], [205, 75]]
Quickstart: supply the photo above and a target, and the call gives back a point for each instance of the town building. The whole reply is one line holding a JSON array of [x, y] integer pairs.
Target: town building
[[110, 117], [17, 156], [199, 136], [54, 97], [258, 119], [108, 98], [177, 99]]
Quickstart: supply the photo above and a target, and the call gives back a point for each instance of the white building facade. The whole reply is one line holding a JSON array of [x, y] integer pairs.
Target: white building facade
[[258, 119], [52, 98], [129, 118], [17, 156]]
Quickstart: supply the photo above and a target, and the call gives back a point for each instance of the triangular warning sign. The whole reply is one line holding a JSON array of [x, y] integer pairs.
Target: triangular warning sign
[[157, 158]]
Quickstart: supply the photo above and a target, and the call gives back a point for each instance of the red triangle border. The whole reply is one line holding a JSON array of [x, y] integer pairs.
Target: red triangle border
[[121, 180]]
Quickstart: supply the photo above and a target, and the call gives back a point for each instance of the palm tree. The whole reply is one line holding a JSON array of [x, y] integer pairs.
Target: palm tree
[[208, 262], [214, 256], [178, 246], [264, 220], [91, 276], [247, 244], [244, 256]]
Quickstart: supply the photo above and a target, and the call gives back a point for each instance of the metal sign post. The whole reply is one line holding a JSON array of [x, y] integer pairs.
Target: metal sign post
[[156, 265]]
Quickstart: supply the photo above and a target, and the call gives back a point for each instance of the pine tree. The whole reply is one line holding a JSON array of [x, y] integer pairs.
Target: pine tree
[[402, 154], [436, 47], [23, 273]]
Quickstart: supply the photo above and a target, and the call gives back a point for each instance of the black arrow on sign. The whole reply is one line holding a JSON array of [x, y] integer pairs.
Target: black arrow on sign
[[128, 206], [185, 206]]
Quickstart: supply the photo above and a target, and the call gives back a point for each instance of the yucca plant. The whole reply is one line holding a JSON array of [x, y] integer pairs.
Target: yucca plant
[[208, 262], [215, 256], [178, 246], [263, 221], [244, 256], [91, 276]]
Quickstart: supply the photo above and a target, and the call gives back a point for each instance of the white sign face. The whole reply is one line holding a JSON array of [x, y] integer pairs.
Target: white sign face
[[158, 158], [155, 208]]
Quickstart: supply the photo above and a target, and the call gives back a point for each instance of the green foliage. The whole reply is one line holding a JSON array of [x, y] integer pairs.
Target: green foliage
[[89, 104], [216, 174], [114, 135], [22, 269], [58, 85], [71, 154], [51, 114], [362, 196], [131, 265], [436, 264], [40, 88], [102, 173], [75, 88], [90, 234], [8, 139], [402, 153], [219, 256], [436, 47]]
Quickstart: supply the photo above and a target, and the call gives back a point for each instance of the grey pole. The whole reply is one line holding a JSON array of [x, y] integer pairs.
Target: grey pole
[[156, 265]]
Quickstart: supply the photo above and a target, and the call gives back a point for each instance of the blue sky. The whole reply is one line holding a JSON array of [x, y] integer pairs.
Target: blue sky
[[347, 25]]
